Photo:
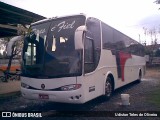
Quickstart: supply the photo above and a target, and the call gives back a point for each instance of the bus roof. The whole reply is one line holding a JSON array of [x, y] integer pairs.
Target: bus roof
[[49, 19]]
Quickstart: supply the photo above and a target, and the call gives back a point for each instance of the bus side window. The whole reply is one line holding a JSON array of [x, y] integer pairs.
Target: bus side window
[[88, 55]]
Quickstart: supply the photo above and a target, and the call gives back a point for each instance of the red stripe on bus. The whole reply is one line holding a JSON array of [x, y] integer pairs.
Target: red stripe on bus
[[123, 58]]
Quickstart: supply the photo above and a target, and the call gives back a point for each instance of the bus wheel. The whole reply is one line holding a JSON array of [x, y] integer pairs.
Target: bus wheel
[[108, 88]]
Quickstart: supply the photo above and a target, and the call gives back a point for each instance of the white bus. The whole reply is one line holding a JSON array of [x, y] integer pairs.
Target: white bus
[[74, 59]]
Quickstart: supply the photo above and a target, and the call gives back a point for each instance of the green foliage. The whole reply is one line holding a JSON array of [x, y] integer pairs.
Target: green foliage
[[155, 97], [157, 1], [157, 54], [148, 52]]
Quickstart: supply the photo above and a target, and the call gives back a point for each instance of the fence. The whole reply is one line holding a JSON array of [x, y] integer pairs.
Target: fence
[[156, 60], [15, 64]]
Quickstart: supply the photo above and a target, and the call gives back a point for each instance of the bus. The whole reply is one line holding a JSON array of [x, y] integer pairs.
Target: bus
[[74, 59]]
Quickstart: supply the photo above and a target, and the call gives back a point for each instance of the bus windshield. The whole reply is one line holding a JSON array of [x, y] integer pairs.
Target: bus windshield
[[49, 49]]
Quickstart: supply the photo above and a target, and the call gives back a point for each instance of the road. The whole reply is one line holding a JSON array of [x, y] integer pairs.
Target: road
[[138, 102]]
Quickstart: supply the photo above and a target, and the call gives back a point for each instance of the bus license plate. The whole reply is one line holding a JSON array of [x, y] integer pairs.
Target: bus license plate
[[43, 96]]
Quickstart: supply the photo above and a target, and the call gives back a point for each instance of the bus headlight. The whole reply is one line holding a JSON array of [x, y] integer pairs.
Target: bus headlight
[[24, 85], [71, 87]]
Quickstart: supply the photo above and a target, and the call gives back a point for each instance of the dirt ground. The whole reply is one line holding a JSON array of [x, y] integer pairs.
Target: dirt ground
[[9, 87], [153, 72]]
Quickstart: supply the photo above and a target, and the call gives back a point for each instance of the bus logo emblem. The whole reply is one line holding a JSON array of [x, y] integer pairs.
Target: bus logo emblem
[[42, 86]]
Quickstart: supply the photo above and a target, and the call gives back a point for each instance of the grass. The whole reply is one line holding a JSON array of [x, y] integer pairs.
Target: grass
[[154, 97], [153, 72], [9, 95]]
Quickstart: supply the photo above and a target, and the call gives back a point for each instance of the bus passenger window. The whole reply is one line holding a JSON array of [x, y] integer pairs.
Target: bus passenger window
[[88, 55]]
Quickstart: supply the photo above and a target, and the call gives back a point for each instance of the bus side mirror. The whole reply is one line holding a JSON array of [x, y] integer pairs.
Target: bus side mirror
[[78, 37], [25, 44], [11, 43]]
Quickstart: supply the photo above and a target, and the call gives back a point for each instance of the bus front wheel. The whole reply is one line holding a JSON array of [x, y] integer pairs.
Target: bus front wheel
[[108, 88]]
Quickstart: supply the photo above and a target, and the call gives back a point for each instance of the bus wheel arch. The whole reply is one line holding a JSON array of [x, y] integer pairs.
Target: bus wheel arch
[[109, 86]]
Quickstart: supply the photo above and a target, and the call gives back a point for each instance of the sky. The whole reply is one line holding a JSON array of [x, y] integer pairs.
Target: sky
[[124, 15]]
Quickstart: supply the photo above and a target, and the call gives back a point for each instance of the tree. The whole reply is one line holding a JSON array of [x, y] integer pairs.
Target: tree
[[3, 43], [157, 1], [16, 49], [153, 33], [157, 54]]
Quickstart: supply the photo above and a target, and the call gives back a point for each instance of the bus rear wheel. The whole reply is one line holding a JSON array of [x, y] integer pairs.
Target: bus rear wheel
[[108, 88]]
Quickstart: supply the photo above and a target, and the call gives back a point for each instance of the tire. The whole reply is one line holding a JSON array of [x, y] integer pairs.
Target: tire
[[108, 88], [2, 79]]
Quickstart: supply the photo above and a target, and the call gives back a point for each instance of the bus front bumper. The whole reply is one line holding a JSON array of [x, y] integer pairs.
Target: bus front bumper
[[74, 96]]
